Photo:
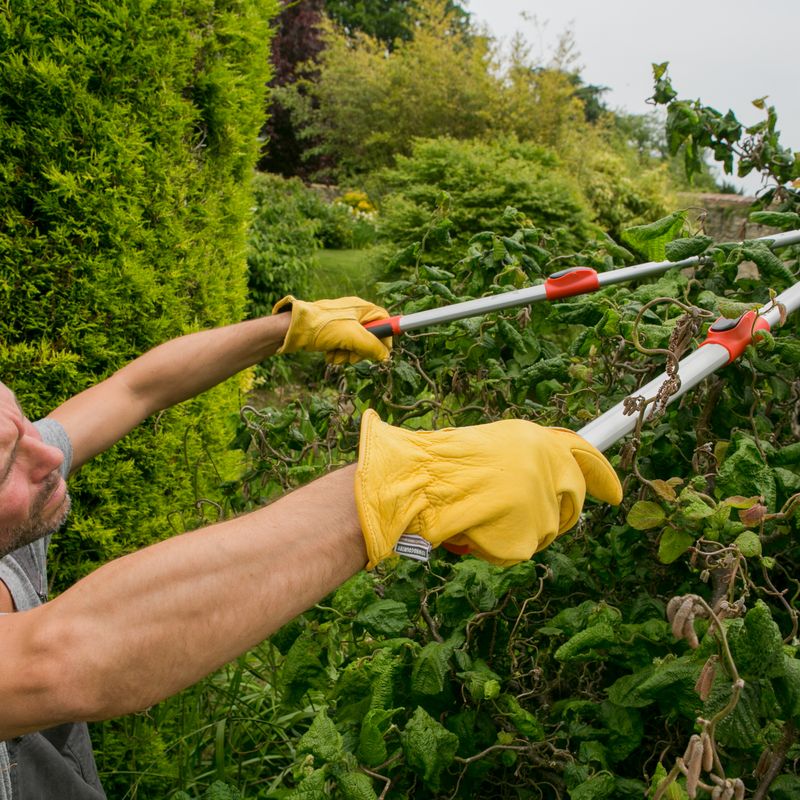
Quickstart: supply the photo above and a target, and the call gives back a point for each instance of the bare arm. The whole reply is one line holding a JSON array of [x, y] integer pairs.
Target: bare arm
[[147, 625], [168, 374]]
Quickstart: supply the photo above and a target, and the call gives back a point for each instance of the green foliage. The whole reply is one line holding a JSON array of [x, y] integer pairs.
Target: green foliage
[[321, 740], [282, 241], [460, 679], [385, 20], [473, 185], [695, 128], [679, 249], [217, 791], [291, 222], [621, 188], [367, 105], [429, 748], [651, 239], [559, 677]]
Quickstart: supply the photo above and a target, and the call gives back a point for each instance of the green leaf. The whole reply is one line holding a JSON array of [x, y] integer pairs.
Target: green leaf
[[322, 739], [787, 687], [222, 791], [434, 273], [673, 544], [785, 787], [383, 667], [355, 786], [428, 746], [749, 543], [481, 682], [645, 514], [674, 792], [742, 727], [679, 249], [671, 683], [757, 646], [770, 266], [625, 727], [660, 69], [355, 593], [302, 668], [405, 371], [523, 720], [312, 787], [651, 240], [384, 618], [371, 745], [786, 456], [665, 489], [599, 787], [776, 219], [737, 501], [580, 646], [744, 472], [572, 619], [624, 691], [692, 506], [432, 664]]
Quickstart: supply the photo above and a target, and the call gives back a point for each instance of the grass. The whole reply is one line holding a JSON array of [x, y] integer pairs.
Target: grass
[[345, 272]]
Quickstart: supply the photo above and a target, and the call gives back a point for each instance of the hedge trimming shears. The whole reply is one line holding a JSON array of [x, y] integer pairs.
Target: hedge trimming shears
[[725, 341], [565, 283]]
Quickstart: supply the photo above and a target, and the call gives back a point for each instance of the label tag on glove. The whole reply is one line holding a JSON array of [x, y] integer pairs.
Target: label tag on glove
[[414, 547]]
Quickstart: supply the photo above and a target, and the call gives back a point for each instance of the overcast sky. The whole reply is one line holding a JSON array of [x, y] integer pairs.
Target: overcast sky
[[724, 52]]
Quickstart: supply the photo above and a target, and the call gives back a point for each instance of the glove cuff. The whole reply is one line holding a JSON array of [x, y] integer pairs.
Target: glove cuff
[[292, 342], [389, 485]]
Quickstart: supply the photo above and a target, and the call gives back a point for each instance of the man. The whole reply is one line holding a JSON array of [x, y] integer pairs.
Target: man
[[147, 625]]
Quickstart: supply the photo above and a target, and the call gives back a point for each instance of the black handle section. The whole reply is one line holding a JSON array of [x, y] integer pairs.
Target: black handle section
[[382, 330]]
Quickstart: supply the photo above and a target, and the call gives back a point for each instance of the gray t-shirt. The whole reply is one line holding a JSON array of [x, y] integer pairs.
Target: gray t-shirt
[[56, 764]]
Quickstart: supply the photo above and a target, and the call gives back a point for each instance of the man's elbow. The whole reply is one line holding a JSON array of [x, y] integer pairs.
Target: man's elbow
[[52, 676]]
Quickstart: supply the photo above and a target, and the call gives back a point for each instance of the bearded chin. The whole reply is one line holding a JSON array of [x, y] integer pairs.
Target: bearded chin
[[37, 527]]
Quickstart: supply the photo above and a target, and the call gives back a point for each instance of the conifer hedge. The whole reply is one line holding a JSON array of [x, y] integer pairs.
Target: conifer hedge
[[128, 133]]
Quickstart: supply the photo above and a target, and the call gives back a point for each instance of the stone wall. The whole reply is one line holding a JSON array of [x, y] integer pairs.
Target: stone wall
[[726, 219]]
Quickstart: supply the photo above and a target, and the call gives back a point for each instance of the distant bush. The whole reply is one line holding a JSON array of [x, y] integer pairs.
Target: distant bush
[[291, 221], [282, 240], [473, 183], [620, 189]]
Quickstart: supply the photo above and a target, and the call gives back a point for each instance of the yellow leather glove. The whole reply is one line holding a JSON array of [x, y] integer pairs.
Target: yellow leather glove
[[505, 489], [334, 327]]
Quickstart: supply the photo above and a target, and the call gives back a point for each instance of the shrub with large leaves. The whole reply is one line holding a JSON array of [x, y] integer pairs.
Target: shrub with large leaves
[[576, 673]]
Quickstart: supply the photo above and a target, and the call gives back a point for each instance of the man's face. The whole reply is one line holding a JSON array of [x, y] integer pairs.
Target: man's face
[[33, 495]]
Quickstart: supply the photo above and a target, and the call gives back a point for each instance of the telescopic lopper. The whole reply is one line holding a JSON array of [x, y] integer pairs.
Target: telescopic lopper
[[566, 283], [725, 341]]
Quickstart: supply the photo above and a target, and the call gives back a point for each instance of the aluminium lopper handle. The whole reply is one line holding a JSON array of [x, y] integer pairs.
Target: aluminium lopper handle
[[566, 283], [725, 341]]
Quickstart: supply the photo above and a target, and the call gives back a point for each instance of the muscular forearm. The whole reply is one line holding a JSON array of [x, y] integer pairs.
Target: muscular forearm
[[147, 625], [170, 373], [184, 367]]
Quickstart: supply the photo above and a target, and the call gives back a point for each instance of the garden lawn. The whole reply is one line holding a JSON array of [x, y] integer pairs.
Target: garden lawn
[[345, 272]]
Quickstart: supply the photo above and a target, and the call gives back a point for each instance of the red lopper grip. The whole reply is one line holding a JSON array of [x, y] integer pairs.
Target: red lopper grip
[[572, 281], [735, 334], [383, 328]]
